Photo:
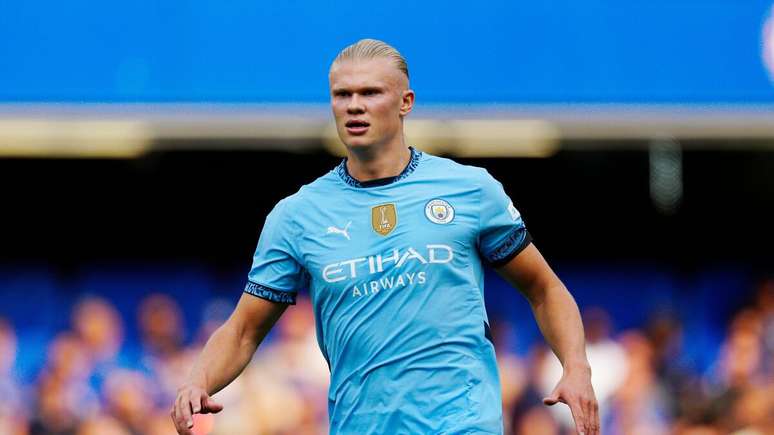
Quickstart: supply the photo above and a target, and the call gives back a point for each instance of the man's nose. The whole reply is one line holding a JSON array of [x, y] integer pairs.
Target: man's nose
[[355, 105]]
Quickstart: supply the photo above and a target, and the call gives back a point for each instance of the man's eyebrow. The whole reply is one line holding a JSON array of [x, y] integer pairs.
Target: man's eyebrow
[[357, 88]]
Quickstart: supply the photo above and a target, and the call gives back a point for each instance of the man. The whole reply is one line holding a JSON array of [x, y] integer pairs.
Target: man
[[391, 245]]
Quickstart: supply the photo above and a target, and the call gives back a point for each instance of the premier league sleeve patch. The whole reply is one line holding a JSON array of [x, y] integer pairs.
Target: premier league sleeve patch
[[439, 211]]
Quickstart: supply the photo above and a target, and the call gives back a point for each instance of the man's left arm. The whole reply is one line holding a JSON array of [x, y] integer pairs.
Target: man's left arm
[[560, 322]]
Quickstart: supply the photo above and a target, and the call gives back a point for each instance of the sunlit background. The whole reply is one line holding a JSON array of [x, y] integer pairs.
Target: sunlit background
[[142, 145]]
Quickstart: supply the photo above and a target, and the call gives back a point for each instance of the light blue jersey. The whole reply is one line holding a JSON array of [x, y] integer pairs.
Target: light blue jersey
[[395, 274]]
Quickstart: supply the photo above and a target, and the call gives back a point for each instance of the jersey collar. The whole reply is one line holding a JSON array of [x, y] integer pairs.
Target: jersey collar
[[343, 173]]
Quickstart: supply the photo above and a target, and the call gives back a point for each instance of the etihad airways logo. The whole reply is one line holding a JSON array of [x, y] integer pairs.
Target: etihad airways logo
[[395, 259]]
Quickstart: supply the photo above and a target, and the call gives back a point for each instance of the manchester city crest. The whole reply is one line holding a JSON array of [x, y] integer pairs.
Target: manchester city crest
[[439, 211]]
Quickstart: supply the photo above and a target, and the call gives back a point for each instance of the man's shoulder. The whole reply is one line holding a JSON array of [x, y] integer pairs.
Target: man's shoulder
[[445, 165], [314, 191]]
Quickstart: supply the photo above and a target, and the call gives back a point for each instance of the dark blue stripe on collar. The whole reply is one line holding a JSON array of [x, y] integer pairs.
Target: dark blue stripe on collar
[[341, 169]]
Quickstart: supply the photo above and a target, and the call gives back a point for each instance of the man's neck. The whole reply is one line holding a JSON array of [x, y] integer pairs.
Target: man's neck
[[377, 162]]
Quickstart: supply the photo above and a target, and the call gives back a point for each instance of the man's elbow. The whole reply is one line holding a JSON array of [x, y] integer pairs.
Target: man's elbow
[[542, 292]]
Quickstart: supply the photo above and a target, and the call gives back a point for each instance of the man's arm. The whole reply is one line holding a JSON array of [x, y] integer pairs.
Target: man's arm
[[560, 322], [226, 354]]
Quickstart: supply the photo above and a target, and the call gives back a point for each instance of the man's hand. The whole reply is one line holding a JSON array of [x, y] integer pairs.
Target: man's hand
[[191, 399], [574, 390]]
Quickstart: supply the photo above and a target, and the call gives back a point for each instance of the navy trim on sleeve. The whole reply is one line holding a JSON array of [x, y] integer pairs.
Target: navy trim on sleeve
[[516, 241], [269, 293]]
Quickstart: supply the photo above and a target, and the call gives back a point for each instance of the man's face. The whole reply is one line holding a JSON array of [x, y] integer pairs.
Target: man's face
[[369, 97]]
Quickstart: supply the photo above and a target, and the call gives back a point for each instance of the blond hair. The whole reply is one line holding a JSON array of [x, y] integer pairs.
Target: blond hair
[[373, 49]]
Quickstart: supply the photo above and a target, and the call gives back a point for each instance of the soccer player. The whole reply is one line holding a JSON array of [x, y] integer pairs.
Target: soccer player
[[392, 245]]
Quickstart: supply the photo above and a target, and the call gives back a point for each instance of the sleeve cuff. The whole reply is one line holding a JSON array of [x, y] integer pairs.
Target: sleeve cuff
[[269, 293], [510, 247]]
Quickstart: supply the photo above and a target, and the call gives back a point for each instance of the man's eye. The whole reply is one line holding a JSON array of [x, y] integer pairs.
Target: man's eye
[[370, 92], [341, 94]]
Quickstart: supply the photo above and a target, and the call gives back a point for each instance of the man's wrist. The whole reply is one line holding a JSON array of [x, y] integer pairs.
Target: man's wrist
[[197, 381], [579, 366]]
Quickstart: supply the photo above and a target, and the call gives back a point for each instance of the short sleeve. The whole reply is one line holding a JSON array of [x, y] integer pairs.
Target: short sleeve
[[502, 233], [276, 273]]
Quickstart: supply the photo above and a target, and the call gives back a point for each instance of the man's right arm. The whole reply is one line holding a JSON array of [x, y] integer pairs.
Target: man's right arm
[[226, 354]]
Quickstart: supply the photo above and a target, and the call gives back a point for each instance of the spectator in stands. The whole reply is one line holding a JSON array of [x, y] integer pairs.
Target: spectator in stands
[[102, 425], [524, 414], [159, 424], [639, 405], [537, 421], [765, 304], [513, 379], [214, 314], [748, 388], [128, 397], [606, 357], [64, 396], [753, 411], [664, 331], [161, 325], [13, 414], [99, 327], [162, 333], [741, 353]]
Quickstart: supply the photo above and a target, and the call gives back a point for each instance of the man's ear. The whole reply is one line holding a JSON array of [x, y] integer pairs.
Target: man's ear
[[407, 102]]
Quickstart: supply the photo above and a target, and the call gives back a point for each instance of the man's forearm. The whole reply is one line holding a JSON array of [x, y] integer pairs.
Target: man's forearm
[[231, 346], [560, 322], [226, 354], [223, 358]]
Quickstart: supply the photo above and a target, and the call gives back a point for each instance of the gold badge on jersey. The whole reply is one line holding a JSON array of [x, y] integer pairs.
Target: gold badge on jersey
[[384, 218]]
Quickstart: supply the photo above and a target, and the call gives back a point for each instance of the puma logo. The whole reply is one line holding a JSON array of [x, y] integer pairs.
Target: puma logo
[[343, 232]]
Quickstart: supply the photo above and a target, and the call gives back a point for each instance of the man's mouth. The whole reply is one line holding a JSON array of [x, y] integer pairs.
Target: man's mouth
[[357, 126]]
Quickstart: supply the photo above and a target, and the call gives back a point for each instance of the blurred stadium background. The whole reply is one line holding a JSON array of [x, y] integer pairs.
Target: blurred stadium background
[[143, 143]]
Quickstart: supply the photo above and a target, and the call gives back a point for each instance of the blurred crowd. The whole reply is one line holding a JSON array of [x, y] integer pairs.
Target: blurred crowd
[[92, 384], [645, 385]]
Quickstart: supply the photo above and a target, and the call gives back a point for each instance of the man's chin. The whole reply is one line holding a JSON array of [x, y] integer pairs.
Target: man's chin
[[357, 142]]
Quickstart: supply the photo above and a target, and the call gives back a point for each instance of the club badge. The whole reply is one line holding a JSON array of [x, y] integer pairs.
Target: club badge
[[439, 211]]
